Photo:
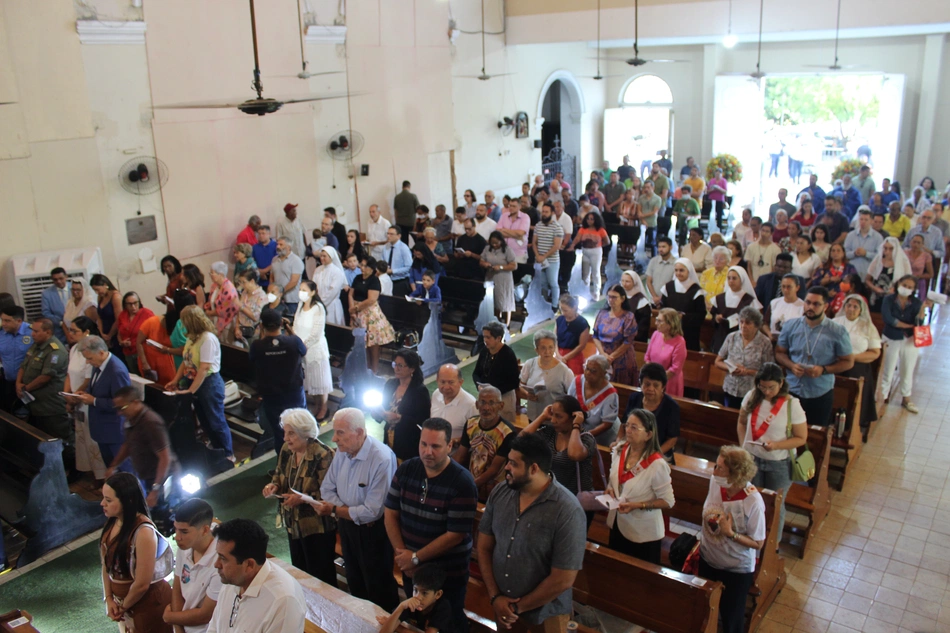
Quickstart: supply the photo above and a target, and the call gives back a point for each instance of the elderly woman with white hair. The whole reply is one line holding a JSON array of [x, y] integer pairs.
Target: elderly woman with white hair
[[713, 279], [544, 377], [598, 400], [301, 466], [224, 303]]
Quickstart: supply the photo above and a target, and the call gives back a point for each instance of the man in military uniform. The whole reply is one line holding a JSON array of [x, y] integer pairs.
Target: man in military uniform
[[42, 376], [15, 340]]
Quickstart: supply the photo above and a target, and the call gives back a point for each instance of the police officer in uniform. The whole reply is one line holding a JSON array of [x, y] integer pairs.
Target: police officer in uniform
[[42, 375], [15, 339], [278, 371]]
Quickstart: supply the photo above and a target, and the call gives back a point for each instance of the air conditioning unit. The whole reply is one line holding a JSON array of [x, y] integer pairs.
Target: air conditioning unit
[[31, 273]]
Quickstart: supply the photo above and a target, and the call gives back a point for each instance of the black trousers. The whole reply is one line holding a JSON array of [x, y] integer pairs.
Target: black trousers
[[315, 554], [649, 551], [818, 410], [368, 556], [567, 266], [406, 230], [401, 287], [735, 589], [8, 400]]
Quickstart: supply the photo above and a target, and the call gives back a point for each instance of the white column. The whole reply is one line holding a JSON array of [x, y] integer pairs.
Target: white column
[[927, 110], [710, 66]]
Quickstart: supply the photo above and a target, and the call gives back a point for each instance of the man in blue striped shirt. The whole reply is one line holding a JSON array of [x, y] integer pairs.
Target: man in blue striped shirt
[[430, 511], [353, 492]]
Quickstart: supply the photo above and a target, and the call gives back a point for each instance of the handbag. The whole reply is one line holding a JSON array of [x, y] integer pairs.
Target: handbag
[[588, 498], [922, 336], [803, 466]]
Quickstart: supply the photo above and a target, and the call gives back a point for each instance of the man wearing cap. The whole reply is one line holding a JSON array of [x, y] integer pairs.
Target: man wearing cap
[[291, 228], [404, 206], [249, 234], [278, 371]]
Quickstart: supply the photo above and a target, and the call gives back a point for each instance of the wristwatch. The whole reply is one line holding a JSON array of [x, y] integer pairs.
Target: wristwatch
[[156, 487], [333, 511], [415, 560]]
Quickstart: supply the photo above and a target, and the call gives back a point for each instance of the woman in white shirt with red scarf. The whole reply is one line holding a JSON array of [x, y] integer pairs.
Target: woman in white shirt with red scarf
[[640, 481], [771, 423]]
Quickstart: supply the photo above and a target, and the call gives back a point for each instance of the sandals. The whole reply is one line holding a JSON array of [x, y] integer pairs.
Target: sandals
[[910, 406]]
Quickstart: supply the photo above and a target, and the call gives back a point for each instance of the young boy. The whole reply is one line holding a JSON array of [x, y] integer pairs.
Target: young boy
[[385, 281], [428, 290], [197, 583], [351, 268], [426, 610]]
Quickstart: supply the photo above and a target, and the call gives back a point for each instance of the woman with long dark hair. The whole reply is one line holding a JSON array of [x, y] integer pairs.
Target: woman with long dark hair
[[423, 259], [135, 559], [902, 312], [171, 268], [499, 261], [310, 324], [592, 237], [194, 280], [353, 246], [108, 308], [405, 405]]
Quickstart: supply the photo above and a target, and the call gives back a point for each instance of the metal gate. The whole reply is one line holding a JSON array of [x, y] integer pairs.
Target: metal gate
[[558, 161]]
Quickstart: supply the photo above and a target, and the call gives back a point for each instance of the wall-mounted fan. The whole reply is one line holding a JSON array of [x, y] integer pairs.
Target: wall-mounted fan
[[143, 175], [506, 125], [344, 146]]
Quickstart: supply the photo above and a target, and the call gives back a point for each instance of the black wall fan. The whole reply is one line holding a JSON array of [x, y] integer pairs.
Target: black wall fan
[[259, 106], [143, 175]]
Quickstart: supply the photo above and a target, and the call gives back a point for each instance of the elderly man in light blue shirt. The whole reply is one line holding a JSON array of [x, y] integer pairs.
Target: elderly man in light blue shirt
[[353, 491], [863, 244], [933, 237], [399, 258]]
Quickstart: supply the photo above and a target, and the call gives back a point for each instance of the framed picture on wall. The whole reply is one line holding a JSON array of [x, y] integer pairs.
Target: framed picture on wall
[[521, 125]]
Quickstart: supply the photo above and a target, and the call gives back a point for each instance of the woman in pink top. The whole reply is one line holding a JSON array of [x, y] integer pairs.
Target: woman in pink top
[[921, 264], [668, 348], [716, 190]]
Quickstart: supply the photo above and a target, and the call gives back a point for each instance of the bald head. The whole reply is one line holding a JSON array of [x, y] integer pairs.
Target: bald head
[[450, 382]]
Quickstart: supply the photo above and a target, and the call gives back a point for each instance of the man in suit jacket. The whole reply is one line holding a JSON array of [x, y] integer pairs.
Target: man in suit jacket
[[53, 302], [109, 374], [769, 285]]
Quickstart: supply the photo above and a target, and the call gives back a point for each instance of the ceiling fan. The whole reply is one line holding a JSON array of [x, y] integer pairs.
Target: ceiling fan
[[599, 76], [836, 65], [758, 74], [304, 73], [484, 76], [259, 106], [636, 61]]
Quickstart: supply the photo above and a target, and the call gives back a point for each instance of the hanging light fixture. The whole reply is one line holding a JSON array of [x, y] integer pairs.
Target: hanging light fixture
[[730, 40]]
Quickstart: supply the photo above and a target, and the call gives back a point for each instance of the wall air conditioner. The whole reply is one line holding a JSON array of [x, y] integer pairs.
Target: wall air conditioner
[[31, 273]]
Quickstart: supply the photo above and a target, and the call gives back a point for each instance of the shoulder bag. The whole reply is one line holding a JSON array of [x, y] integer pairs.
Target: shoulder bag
[[803, 466]]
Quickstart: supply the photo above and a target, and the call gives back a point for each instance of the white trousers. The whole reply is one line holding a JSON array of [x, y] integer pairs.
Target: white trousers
[[905, 354], [590, 269]]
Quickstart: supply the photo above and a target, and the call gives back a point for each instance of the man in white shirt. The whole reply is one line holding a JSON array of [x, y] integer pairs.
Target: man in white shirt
[[484, 225], [760, 256], [376, 231], [450, 402], [291, 228], [258, 596], [197, 583]]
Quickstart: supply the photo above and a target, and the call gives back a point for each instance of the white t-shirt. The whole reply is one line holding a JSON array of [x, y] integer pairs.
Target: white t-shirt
[[807, 268], [197, 580], [485, 227], [860, 341], [210, 351], [456, 412], [778, 426], [568, 225], [748, 519], [385, 285], [780, 311], [458, 228]]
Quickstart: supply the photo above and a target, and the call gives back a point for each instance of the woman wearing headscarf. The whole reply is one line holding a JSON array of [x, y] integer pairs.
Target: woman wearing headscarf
[[918, 198], [637, 302], [685, 295], [889, 265], [81, 303], [310, 326], [738, 294], [330, 280], [866, 347], [423, 259]]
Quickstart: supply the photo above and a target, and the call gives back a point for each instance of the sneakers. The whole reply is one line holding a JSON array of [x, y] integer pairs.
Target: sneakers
[[910, 406]]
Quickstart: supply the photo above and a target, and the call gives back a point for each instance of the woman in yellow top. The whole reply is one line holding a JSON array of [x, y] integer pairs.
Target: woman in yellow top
[[199, 376], [713, 279]]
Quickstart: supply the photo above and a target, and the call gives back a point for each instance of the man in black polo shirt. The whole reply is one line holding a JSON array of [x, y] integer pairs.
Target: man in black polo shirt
[[468, 253], [430, 510], [278, 371]]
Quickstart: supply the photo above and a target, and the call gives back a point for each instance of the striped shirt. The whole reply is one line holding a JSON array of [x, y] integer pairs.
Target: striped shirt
[[450, 500], [546, 233]]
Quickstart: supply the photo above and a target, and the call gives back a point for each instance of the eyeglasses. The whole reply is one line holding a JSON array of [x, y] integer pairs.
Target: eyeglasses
[[234, 611], [130, 303], [123, 408], [425, 491], [398, 366]]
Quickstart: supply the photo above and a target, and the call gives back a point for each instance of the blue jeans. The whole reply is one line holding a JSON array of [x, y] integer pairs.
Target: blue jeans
[[549, 282], [209, 407], [774, 474], [275, 405]]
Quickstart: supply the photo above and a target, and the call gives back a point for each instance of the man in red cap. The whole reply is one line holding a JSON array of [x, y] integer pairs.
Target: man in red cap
[[291, 229]]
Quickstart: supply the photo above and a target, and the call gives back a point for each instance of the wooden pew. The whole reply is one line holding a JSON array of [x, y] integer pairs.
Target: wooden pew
[[236, 365], [461, 299], [339, 341], [707, 423], [404, 314], [34, 496], [630, 589], [12, 622]]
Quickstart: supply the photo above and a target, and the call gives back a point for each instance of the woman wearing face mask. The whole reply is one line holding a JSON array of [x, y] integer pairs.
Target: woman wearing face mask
[[866, 347], [766, 413], [890, 264], [684, 295], [902, 311], [738, 294], [734, 531], [310, 325]]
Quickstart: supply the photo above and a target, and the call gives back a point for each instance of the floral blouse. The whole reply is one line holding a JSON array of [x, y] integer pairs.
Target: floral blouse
[[255, 301], [225, 301], [751, 356]]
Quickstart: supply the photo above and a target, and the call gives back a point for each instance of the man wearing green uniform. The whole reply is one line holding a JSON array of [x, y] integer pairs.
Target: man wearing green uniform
[[42, 375]]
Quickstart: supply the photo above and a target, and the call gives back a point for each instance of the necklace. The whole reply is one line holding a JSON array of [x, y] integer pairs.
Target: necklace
[[810, 346]]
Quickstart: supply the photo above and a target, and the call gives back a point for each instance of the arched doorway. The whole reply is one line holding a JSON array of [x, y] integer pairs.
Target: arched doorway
[[642, 125], [561, 105]]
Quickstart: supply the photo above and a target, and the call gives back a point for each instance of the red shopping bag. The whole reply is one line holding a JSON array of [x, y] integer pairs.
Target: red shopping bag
[[922, 337]]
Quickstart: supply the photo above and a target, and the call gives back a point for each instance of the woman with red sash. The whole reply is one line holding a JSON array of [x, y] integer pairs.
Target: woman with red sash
[[766, 414], [640, 481], [598, 399]]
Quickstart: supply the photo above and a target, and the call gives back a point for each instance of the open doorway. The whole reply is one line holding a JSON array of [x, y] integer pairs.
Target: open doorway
[[784, 128], [642, 126], [561, 106]]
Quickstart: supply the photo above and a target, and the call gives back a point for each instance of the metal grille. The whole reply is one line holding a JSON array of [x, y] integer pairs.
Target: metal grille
[[31, 291], [31, 272], [558, 161]]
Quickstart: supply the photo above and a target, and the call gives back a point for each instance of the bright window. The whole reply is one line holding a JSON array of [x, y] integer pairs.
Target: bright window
[[647, 90]]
